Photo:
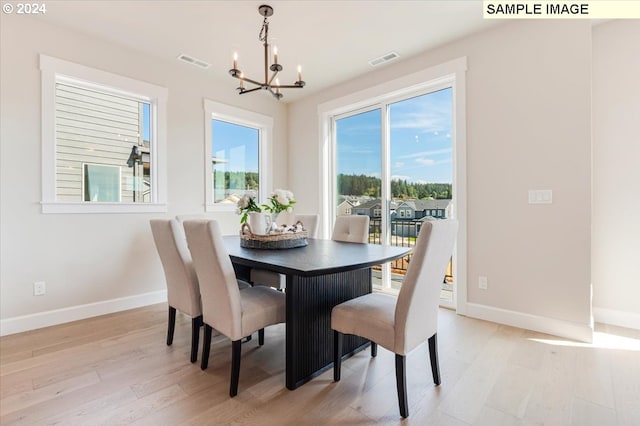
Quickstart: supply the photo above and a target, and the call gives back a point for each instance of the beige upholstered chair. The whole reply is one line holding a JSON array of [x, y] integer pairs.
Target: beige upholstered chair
[[274, 279], [351, 229], [235, 314], [401, 325], [183, 291]]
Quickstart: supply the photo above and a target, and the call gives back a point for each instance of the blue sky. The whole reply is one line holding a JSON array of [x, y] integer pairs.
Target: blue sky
[[420, 140], [236, 144]]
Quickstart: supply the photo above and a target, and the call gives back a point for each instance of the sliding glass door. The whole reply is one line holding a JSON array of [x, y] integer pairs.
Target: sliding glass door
[[393, 162]]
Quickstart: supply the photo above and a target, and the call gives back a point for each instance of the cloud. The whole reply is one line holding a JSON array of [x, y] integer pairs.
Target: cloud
[[398, 165], [427, 153], [425, 161]]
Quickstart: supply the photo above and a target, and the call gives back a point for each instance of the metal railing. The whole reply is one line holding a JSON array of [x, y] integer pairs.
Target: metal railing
[[403, 234]]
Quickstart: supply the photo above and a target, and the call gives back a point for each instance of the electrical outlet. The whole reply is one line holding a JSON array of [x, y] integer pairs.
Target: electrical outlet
[[39, 288], [482, 283]]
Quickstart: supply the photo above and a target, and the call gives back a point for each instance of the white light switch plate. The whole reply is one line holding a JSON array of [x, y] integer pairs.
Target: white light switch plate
[[540, 196]]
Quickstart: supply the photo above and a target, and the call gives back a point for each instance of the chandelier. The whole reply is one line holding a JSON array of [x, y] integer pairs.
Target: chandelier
[[271, 82]]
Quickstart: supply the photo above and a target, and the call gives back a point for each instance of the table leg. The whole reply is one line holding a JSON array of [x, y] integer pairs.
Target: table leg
[[309, 339]]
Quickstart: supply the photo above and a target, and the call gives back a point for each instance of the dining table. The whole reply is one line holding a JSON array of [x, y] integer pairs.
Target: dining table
[[319, 276]]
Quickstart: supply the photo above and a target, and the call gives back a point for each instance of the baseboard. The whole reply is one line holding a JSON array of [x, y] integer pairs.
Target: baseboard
[[568, 329], [615, 317], [74, 313]]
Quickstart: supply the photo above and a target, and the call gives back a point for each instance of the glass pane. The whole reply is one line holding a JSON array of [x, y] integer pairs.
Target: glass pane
[[100, 128], [235, 160], [421, 169], [101, 183], [359, 168]]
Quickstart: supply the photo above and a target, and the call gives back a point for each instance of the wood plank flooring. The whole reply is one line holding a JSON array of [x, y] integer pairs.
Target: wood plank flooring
[[117, 370]]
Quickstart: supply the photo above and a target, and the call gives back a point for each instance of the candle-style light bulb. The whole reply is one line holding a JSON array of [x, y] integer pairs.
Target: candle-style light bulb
[[275, 54], [277, 85], [235, 60], [299, 73], [241, 80]]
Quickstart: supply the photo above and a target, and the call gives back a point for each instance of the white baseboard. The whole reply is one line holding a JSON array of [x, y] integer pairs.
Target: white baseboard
[[568, 329], [74, 313], [615, 317]]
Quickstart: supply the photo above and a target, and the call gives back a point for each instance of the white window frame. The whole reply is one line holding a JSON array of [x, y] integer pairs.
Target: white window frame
[[54, 70], [219, 111], [452, 74]]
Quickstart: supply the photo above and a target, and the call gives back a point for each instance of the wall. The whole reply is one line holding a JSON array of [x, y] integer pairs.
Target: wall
[[528, 127], [616, 173], [96, 263]]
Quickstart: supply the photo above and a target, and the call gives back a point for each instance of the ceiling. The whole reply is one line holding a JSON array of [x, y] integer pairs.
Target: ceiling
[[333, 41]]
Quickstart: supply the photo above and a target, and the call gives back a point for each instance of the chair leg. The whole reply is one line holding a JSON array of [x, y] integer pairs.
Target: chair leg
[[247, 339], [337, 355], [196, 323], [206, 346], [261, 337], [172, 325], [433, 355], [374, 349], [401, 384], [236, 351]]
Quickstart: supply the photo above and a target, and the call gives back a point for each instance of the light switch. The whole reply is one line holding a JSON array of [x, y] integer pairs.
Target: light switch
[[540, 196]]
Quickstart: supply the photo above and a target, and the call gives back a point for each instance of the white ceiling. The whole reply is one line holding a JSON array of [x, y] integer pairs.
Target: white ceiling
[[332, 40]]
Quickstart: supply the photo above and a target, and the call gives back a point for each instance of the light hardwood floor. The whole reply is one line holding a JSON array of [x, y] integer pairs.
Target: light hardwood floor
[[117, 369]]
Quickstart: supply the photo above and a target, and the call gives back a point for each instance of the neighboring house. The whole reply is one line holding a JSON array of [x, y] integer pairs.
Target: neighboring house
[[372, 208], [418, 209], [95, 134], [345, 208]]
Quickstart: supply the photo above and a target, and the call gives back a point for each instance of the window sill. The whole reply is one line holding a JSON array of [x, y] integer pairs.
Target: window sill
[[103, 208]]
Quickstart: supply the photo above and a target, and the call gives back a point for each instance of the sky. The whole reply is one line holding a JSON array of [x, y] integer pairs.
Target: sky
[[236, 144], [420, 142]]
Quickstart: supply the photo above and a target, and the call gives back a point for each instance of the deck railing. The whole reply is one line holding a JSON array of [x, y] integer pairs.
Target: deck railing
[[403, 234]]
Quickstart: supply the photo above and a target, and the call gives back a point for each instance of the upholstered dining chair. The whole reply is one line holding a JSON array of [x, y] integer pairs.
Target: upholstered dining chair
[[401, 325], [234, 313], [351, 229], [274, 279], [183, 290]]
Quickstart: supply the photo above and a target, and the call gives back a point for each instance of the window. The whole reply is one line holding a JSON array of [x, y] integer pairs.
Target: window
[[236, 155], [418, 120], [103, 141], [234, 161]]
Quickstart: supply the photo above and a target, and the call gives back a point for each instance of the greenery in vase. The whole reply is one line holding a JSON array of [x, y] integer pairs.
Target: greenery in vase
[[247, 204], [281, 200]]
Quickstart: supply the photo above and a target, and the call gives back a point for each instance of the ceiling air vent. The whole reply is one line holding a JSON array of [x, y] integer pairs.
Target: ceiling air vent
[[383, 59], [193, 61]]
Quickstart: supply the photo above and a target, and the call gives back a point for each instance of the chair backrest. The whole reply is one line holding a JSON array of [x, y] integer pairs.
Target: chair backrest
[[183, 291], [351, 229], [416, 316], [221, 307], [310, 222]]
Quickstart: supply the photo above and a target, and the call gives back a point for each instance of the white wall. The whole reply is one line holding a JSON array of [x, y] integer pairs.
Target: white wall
[[94, 259], [528, 127], [616, 173]]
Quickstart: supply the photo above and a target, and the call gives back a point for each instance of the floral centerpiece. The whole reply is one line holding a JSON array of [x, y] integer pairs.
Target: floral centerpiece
[[247, 204], [281, 200]]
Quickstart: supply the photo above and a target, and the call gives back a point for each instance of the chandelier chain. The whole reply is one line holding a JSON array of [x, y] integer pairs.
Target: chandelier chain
[[264, 32]]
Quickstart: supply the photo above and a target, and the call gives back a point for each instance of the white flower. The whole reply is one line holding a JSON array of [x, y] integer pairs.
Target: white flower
[[283, 196]]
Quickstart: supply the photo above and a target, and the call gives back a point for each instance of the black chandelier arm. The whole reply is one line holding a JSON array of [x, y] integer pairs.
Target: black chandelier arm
[[243, 91], [273, 76]]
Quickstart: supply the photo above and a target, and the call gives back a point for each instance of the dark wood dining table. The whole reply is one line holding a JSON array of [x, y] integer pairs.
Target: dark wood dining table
[[319, 276]]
